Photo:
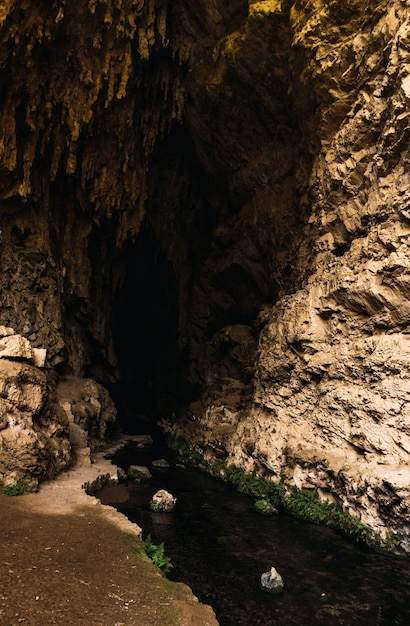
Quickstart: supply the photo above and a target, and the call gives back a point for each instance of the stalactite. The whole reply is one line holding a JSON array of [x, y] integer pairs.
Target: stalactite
[[102, 66]]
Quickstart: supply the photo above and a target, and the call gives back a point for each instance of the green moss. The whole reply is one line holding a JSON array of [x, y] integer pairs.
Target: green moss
[[302, 503], [15, 489], [255, 485], [391, 541], [186, 452], [306, 504], [265, 507]]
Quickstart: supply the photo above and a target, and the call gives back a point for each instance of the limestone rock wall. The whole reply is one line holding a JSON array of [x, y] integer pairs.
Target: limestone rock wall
[[333, 368], [329, 397], [43, 430], [89, 411], [73, 152], [81, 110], [263, 146], [34, 442]]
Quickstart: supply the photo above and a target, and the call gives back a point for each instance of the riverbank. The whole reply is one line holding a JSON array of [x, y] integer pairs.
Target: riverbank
[[67, 558], [220, 545]]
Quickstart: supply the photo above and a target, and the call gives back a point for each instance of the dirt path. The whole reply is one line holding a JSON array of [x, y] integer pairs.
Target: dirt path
[[67, 559]]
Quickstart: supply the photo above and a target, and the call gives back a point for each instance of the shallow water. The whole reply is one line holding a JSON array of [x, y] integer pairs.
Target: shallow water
[[220, 546]]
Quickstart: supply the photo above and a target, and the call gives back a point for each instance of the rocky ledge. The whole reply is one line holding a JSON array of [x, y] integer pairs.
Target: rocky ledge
[[45, 427]]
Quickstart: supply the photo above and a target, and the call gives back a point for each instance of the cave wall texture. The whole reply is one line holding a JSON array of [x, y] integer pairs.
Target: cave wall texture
[[240, 172]]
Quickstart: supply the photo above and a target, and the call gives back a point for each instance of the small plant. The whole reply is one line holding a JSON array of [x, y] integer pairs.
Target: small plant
[[391, 542], [157, 555], [302, 503], [265, 507], [254, 485], [15, 489]]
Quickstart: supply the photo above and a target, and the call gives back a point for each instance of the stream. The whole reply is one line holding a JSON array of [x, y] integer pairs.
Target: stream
[[220, 546]]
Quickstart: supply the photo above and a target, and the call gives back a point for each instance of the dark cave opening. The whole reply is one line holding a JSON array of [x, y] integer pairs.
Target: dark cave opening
[[153, 382], [151, 305]]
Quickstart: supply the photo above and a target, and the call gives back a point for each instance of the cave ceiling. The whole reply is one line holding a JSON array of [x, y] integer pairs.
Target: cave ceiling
[[178, 117]]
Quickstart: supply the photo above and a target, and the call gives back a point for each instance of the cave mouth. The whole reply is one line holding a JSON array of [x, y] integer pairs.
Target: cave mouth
[[153, 369]]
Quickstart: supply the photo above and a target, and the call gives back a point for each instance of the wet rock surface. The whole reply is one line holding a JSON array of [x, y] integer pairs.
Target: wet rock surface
[[162, 502], [272, 581]]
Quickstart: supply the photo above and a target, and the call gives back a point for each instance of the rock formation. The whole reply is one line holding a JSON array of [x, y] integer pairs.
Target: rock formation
[[42, 431], [208, 201], [34, 441]]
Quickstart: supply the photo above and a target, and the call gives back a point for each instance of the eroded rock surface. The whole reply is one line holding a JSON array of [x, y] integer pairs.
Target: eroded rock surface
[[238, 170], [328, 408], [41, 431], [89, 410], [34, 441]]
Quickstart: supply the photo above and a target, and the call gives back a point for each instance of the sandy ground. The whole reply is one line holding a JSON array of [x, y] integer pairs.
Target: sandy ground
[[67, 559]]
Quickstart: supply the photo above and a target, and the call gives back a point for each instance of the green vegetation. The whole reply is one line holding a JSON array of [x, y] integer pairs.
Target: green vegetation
[[254, 485], [392, 541], [186, 452], [302, 503], [15, 489], [157, 555], [265, 507], [306, 504]]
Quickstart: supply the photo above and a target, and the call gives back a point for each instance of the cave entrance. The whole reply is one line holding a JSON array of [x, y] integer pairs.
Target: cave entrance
[[145, 333], [148, 315]]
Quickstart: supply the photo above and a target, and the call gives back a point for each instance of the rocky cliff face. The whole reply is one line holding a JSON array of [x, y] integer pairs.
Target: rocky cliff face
[[210, 201], [327, 407]]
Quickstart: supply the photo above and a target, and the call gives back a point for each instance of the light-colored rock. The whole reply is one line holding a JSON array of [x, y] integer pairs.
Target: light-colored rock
[[5, 331], [39, 357], [272, 582], [160, 464], [88, 408], [15, 347], [34, 442], [162, 502], [138, 473]]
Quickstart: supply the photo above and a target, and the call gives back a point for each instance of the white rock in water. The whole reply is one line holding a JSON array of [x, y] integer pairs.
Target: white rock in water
[[272, 581], [162, 502], [160, 463]]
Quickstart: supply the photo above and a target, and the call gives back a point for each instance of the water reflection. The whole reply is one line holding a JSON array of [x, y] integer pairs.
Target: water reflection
[[219, 546]]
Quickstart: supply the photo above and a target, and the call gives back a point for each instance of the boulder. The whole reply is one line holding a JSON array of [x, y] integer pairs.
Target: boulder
[[162, 502], [89, 408], [34, 437], [272, 581], [5, 331], [121, 475], [139, 473], [39, 356], [160, 464], [16, 347]]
